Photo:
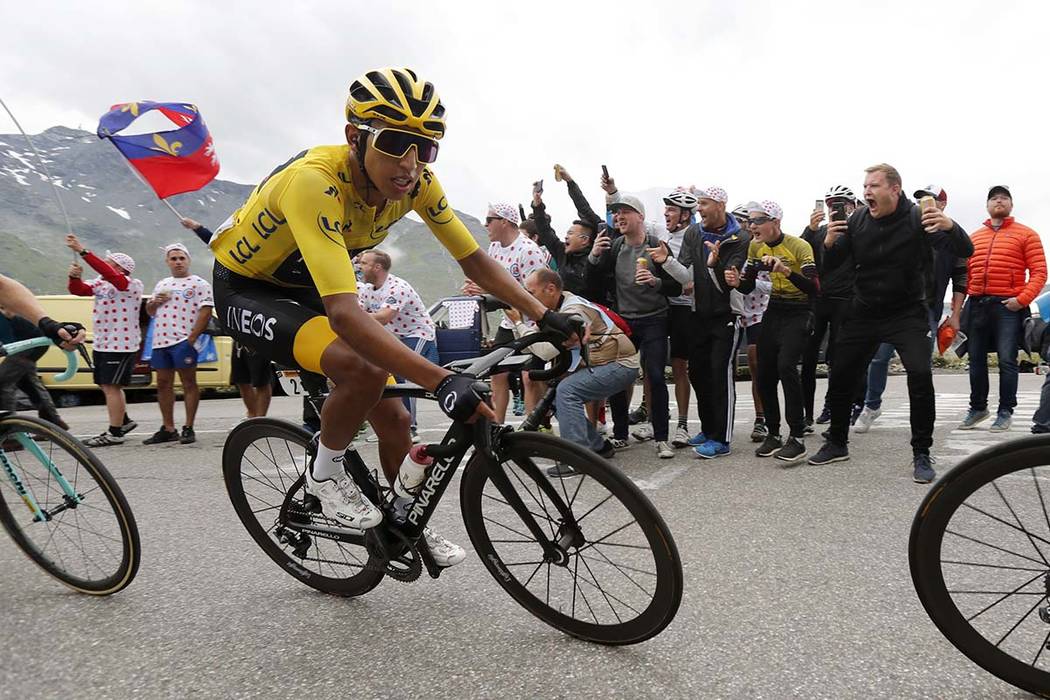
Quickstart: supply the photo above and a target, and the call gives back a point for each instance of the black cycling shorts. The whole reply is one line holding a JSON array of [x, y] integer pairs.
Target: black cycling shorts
[[113, 368], [681, 327], [286, 325]]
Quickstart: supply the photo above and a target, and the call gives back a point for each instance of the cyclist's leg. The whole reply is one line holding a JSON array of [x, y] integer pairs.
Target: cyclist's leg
[[391, 421]]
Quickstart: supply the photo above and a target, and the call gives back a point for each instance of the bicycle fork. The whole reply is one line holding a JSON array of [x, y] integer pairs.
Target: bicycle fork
[[70, 497]]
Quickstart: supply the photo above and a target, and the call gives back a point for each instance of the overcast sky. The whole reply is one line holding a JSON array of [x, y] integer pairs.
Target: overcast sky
[[771, 100]]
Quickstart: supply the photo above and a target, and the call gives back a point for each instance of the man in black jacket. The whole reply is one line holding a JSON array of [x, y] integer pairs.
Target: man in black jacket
[[570, 255], [890, 245], [709, 249]]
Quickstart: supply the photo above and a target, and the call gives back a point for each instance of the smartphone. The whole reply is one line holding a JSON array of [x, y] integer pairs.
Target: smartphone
[[818, 205], [838, 211], [537, 187], [605, 172]]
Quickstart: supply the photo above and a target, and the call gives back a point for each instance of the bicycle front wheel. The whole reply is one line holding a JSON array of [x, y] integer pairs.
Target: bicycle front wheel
[[82, 531], [617, 578], [980, 560]]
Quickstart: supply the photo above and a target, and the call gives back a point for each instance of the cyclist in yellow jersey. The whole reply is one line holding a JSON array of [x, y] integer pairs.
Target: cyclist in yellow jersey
[[285, 285]]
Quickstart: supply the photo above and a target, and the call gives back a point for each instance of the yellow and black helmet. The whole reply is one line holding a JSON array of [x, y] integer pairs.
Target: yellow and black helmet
[[397, 97]]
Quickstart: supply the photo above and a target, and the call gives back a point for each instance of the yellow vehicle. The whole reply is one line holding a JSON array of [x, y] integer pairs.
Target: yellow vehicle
[[69, 307]]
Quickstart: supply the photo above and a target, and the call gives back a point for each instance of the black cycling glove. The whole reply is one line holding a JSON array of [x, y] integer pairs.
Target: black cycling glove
[[50, 328], [563, 324], [457, 396]]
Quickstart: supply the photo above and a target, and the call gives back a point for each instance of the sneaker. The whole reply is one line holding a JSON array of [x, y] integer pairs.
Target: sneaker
[[972, 418], [792, 451], [415, 436], [696, 440], [607, 450], [809, 430], [1003, 419], [619, 444], [923, 473], [712, 449], [161, 435], [855, 413], [128, 426], [643, 432], [104, 440], [638, 415], [602, 429], [770, 446], [188, 435], [681, 437], [663, 450], [866, 418], [342, 501], [519, 405], [759, 432], [560, 471], [825, 416], [829, 453], [445, 553]]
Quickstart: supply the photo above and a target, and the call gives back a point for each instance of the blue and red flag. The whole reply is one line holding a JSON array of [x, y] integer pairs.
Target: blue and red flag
[[172, 162]]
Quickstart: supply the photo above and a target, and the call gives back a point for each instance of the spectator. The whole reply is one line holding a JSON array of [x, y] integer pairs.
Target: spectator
[[641, 291], [1006, 272], [569, 257], [520, 257], [890, 245], [19, 371], [831, 304], [252, 373], [946, 267], [613, 359], [394, 303], [709, 250], [679, 211], [787, 323], [584, 212], [751, 307], [118, 335], [181, 306]]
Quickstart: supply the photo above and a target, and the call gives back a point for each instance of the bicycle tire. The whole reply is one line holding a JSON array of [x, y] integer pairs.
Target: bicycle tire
[[520, 450], [927, 544], [88, 519], [238, 443]]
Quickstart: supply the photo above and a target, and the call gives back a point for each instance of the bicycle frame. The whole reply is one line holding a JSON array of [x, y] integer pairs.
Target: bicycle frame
[[72, 498]]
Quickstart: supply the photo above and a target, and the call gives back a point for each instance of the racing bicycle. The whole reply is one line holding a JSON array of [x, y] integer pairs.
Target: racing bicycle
[[589, 556], [980, 560], [60, 504]]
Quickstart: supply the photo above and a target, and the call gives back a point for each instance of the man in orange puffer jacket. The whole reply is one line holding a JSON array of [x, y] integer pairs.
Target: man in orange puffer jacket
[[1006, 272]]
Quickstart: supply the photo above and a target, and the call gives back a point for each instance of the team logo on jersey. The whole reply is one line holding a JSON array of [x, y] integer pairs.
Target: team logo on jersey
[[515, 271], [332, 227], [440, 213], [189, 294], [332, 191], [391, 301]]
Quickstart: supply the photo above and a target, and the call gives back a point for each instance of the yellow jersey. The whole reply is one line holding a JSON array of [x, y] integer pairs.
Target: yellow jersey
[[793, 252], [303, 223]]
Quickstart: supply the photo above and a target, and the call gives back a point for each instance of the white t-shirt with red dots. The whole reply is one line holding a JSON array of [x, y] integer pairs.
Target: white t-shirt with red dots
[[521, 258], [115, 318], [176, 318], [411, 319]]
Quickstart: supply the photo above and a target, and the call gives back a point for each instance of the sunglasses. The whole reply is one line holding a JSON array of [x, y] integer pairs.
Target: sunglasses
[[759, 220], [396, 143], [490, 219]]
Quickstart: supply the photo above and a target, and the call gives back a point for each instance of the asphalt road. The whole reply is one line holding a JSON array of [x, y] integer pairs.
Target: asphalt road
[[797, 585]]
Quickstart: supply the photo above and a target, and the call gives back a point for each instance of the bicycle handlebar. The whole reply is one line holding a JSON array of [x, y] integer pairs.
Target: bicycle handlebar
[[23, 345]]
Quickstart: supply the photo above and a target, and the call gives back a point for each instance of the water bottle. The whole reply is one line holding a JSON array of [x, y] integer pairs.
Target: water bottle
[[413, 471]]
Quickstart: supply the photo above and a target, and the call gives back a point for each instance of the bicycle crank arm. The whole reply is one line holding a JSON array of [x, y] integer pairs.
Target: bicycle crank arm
[[341, 534]]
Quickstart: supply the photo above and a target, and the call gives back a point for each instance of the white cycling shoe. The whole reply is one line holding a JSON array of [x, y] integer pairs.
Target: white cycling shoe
[[342, 501], [445, 553]]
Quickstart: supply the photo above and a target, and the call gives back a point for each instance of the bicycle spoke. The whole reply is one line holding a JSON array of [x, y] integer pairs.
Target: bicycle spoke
[[529, 491], [988, 566], [273, 458], [500, 500], [602, 590], [1046, 642], [576, 584], [623, 569], [1004, 597], [600, 504], [539, 565], [522, 534], [948, 531], [1018, 623], [601, 539], [594, 584], [1020, 525]]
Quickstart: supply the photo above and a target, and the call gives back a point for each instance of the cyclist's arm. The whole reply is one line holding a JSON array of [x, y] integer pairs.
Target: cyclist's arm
[[491, 277], [15, 297]]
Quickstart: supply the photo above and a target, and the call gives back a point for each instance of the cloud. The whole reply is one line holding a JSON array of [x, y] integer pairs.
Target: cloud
[[768, 99]]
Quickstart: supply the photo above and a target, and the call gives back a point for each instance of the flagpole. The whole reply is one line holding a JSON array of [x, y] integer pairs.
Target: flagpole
[[139, 177], [54, 188]]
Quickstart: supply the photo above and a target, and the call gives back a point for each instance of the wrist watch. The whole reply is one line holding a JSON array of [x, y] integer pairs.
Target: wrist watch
[[84, 253]]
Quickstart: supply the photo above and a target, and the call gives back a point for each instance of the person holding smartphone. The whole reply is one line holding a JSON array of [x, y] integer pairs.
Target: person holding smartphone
[[890, 246]]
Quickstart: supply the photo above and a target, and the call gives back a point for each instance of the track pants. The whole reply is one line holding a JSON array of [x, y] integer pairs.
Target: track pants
[[712, 369]]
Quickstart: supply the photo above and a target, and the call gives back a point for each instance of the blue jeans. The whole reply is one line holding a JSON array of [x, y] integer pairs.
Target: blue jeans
[[649, 335], [993, 328], [429, 350], [879, 369], [582, 386]]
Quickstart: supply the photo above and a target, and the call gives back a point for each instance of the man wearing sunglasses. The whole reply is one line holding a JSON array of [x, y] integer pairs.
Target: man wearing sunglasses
[[285, 283]]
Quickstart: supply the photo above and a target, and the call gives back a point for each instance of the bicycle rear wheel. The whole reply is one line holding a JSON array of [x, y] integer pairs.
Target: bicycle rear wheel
[[980, 560], [263, 463], [89, 541], [618, 579]]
